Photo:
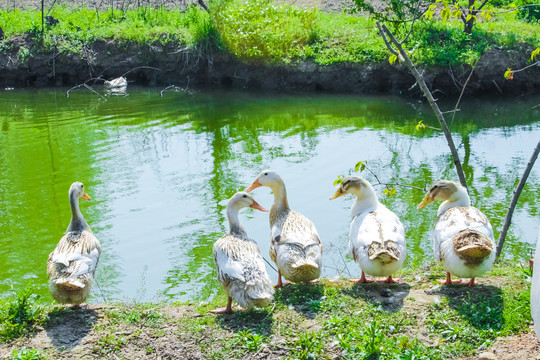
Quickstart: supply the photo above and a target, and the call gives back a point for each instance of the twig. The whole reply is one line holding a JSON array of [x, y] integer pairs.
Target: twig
[[517, 192], [463, 91], [526, 67], [139, 67], [269, 264], [385, 32], [379, 182]]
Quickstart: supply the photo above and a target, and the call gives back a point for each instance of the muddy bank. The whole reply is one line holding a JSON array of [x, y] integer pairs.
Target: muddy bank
[[159, 65]]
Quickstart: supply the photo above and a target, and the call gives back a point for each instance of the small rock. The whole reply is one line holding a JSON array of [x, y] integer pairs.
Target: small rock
[[487, 356], [386, 292]]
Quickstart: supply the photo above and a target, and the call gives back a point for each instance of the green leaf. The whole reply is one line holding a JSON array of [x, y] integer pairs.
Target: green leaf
[[487, 15], [389, 192], [457, 14], [509, 74], [420, 125], [446, 13], [428, 14], [534, 53], [360, 166], [338, 180], [392, 59]]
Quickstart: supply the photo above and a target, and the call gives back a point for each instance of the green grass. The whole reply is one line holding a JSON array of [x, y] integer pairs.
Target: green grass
[[20, 313], [325, 319], [318, 321], [262, 32], [27, 354]]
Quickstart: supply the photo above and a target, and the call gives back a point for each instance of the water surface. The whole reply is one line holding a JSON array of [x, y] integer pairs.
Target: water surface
[[160, 171]]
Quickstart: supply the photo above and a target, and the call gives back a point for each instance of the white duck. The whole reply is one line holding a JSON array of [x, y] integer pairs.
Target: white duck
[[117, 84], [295, 246], [241, 269], [72, 264], [463, 237], [376, 237]]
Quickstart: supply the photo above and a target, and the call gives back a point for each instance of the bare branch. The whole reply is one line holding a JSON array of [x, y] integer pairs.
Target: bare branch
[[463, 91], [517, 192], [427, 93]]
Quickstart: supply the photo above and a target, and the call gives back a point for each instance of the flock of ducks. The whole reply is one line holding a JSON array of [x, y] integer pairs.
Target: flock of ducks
[[462, 241]]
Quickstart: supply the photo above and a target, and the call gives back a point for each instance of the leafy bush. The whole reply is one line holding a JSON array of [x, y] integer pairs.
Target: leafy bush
[[258, 29]]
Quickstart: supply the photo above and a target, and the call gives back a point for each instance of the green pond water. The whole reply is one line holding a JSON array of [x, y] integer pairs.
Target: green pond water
[[160, 169]]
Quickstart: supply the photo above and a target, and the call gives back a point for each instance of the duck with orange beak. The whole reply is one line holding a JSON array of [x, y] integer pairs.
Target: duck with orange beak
[[295, 245], [463, 237]]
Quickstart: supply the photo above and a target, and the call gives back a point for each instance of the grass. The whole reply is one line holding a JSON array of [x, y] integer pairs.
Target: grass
[[262, 32], [20, 313], [416, 319]]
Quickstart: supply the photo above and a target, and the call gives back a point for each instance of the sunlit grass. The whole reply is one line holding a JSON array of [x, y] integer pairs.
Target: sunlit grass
[[261, 31]]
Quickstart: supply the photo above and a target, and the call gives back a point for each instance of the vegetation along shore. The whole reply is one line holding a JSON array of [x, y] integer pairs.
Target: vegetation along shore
[[332, 46], [262, 44]]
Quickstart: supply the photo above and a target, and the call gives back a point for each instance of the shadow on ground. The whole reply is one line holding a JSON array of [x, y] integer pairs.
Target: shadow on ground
[[482, 306], [389, 297], [67, 327]]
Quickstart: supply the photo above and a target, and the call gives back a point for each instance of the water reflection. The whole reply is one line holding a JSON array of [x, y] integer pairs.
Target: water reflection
[[160, 170]]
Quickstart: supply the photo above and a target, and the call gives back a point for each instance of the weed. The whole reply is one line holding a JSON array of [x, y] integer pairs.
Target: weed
[[108, 344], [144, 314], [252, 342], [26, 354], [308, 346], [20, 314]]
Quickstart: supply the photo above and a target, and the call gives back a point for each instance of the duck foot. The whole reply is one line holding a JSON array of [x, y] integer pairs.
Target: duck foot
[[221, 311], [389, 280], [472, 283], [449, 281], [362, 279], [226, 310], [280, 283]]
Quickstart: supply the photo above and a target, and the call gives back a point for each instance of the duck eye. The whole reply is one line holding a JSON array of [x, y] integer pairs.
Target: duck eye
[[245, 196], [82, 186], [265, 174]]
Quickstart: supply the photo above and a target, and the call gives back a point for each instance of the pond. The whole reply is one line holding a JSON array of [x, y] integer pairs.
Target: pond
[[161, 167]]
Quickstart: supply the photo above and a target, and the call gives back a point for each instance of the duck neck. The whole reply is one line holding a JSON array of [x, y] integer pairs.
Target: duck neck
[[459, 198], [280, 198], [77, 223], [234, 222], [364, 202]]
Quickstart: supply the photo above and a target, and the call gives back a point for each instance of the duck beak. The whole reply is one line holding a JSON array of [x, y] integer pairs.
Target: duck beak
[[427, 200], [339, 192], [256, 206], [255, 185], [86, 197]]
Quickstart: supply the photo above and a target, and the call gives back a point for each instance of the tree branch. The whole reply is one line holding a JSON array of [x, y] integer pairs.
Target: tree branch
[[517, 192], [427, 93]]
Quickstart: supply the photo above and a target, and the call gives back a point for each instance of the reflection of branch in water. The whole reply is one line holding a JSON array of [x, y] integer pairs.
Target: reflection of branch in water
[[393, 184], [177, 89]]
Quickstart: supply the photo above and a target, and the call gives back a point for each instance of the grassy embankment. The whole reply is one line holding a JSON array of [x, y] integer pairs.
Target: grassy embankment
[[260, 32], [416, 319]]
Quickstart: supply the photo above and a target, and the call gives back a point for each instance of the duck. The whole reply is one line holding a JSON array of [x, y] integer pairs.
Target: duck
[[240, 265], [72, 264], [295, 245], [376, 237], [463, 237], [119, 84]]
